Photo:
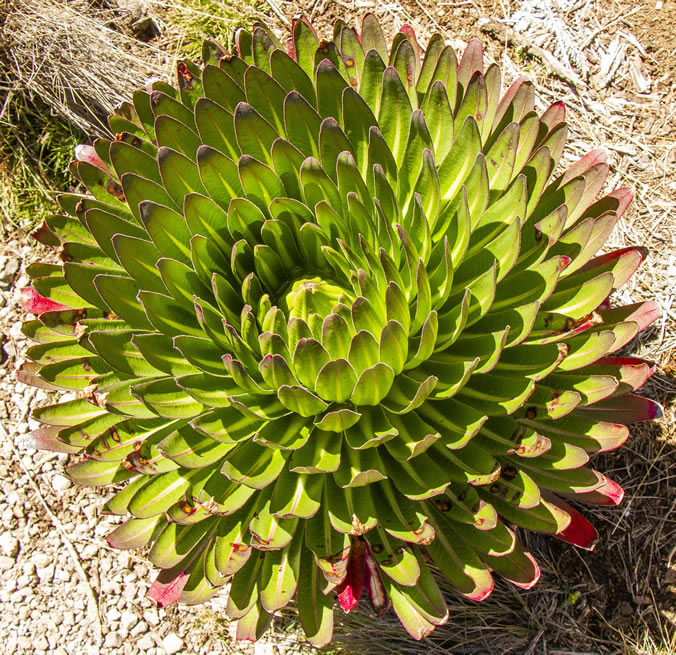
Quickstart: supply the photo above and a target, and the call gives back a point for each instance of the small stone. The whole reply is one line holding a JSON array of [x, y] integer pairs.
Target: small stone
[[113, 615], [68, 618], [89, 551], [60, 651], [40, 643], [140, 628], [110, 587], [112, 640], [6, 562], [150, 616], [128, 620], [146, 642], [8, 271], [60, 482], [41, 560], [45, 573], [9, 544], [172, 643]]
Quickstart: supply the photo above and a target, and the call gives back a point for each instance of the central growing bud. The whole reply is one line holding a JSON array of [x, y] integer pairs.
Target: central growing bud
[[309, 296]]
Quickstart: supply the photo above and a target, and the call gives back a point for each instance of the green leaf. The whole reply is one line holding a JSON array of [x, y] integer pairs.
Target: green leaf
[[336, 381], [394, 117], [270, 532], [254, 134], [136, 533], [221, 88], [474, 101], [371, 430], [321, 453], [439, 119], [291, 76], [205, 218], [227, 425], [394, 557], [372, 37], [163, 104], [259, 182], [330, 86], [254, 465], [458, 562], [158, 494], [266, 95], [455, 168], [220, 176], [174, 322], [280, 574], [126, 158], [359, 468], [405, 60], [296, 495], [91, 473], [120, 295], [414, 436], [175, 135], [304, 45], [314, 608], [138, 189], [192, 450], [357, 122], [176, 542], [168, 230], [165, 398]]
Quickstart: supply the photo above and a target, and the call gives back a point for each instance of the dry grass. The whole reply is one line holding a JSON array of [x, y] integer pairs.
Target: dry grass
[[620, 598], [74, 59]]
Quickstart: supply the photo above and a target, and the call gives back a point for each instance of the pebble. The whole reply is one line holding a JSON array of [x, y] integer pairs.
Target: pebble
[[128, 620], [113, 614], [146, 642], [40, 560], [6, 562], [60, 482], [45, 574], [41, 643], [9, 544], [140, 628], [89, 551], [112, 640], [172, 643], [151, 616]]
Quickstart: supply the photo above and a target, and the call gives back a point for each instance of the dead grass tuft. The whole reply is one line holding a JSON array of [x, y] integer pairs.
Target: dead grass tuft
[[72, 57]]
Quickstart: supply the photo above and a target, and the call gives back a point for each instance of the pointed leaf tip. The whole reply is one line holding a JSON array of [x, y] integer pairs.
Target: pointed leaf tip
[[350, 589], [165, 590], [34, 303], [579, 531]]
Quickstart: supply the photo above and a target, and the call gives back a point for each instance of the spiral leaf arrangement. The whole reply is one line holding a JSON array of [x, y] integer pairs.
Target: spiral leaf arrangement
[[335, 322]]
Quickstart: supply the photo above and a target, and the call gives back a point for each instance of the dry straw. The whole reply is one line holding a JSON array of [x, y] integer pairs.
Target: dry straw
[[74, 58]]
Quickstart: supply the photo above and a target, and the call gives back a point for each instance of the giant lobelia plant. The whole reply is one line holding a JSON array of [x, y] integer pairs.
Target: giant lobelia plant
[[333, 317]]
